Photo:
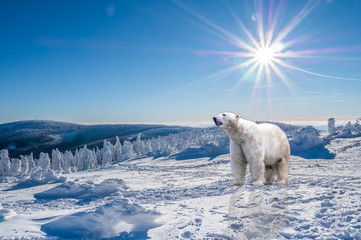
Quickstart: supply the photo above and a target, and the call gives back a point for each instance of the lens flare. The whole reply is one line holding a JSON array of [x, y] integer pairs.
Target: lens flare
[[267, 49], [265, 55]]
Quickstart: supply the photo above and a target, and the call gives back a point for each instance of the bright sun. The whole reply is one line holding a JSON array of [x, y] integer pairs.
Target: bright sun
[[265, 55], [265, 52]]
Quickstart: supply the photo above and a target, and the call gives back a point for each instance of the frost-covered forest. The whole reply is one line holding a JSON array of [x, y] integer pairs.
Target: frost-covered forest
[[208, 141], [85, 158]]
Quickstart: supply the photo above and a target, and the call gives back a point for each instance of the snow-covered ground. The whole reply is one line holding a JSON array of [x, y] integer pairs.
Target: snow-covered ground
[[165, 198]]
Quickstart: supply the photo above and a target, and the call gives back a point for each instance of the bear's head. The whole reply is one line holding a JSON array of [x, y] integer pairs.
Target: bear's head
[[226, 120]]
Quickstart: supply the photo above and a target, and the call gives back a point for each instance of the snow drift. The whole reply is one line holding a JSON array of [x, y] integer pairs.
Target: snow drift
[[39, 177], [305, 139], [120, 218], [83, 190]]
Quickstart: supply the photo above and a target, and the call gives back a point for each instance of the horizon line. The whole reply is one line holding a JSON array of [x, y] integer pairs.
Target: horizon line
[[316, 121]]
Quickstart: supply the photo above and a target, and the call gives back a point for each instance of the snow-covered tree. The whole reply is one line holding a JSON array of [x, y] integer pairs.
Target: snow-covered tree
[[44, 161], [68, 158], [156, 144], [56, 160], [346, 131], [108, 154], [148, 147], [128, 151], [93, 159], [99, 155], [139, 146], [87, 159], [4, 163], [24, 164], [15, 168], [109, 145], [357, 126], [118, 150], [83, 158], [31, 163], [74, 163], [331, 126]]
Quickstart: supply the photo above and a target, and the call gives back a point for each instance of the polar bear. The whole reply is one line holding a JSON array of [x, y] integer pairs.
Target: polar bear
[[264, 147]]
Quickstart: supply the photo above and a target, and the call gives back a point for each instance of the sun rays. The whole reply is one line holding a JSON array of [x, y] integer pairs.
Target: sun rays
[[266, 50]]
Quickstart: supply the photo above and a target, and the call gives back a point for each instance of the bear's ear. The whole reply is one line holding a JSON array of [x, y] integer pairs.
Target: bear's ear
[[237, 116]]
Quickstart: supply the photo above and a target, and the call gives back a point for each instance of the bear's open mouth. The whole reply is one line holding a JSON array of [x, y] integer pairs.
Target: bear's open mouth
[[218, 123]]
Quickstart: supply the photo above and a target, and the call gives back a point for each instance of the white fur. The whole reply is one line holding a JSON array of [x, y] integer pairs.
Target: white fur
[[264, 147]]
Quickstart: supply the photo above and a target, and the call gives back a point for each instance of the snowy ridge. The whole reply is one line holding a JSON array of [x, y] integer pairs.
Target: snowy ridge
[[25, 137], [190, 144]]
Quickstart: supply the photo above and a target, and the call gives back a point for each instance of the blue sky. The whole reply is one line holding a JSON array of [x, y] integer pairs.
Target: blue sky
[[177, 61]]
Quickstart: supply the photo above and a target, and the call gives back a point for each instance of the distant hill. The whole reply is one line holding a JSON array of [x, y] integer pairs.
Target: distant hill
[[24, 137]]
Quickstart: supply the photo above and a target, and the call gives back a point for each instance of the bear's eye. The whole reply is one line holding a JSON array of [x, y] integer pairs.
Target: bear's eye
[[223, 115]]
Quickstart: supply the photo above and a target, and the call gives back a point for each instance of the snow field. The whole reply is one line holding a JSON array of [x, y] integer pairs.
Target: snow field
[[163, 198]]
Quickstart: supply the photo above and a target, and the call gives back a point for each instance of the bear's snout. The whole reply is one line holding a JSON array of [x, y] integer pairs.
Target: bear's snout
[[218, 123]]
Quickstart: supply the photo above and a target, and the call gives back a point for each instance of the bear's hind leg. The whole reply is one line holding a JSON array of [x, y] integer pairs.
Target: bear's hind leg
[[269, 175], [282, 170]]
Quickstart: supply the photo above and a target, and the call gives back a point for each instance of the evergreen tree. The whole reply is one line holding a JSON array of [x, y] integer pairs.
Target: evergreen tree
[[107, 153], [128, 151], [148, 147], [82, 163], [56, 160], [31, 163], [74, 163], [44, 161], [15, 168], [94, 161], [118, 150], [68, 158], [138, 145], [4, 163], [24, 164], [99, 155]]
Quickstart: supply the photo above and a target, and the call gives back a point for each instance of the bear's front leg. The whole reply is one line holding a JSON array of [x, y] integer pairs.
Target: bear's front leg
[[256, 167], [238, 171], [238, 163]]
